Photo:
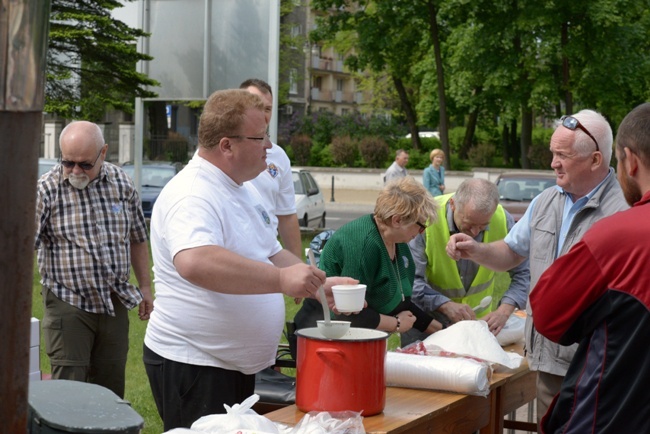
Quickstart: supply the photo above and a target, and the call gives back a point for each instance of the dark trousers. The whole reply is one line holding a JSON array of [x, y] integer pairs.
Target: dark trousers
[[84, 346], [183, 393]]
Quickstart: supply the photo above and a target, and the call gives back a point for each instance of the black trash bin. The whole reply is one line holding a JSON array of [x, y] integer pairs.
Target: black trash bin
[[62, 406]]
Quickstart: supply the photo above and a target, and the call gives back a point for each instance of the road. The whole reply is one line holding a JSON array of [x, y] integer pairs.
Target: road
[[339, 214]]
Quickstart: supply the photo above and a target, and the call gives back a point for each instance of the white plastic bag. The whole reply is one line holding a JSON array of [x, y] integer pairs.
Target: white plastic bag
[[459, 375], [512, 331], [471, 339], [340, 422], [239, 417]]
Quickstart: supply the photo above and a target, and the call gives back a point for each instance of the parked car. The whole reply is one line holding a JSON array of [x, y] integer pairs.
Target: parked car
[[154, 176], [426, 135], [310, 205], [517, 189], [45, 165]]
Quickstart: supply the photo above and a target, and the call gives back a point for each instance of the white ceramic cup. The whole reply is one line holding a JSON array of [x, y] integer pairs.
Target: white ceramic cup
[[349, 298]]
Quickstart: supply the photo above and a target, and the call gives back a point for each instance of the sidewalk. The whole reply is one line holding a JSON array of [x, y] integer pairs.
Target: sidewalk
[[344, 197]]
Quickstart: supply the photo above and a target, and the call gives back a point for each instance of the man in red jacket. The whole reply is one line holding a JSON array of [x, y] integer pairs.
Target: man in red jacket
[[598, 295]]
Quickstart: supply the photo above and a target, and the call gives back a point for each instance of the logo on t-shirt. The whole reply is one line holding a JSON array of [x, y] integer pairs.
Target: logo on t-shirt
[[273, 170], [263, 213], [406, 261]]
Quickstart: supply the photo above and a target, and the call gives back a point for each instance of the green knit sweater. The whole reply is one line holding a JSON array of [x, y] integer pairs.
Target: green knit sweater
[[357, 250]]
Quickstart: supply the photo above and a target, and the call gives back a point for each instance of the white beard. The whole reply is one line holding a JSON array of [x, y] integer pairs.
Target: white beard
[[78, 181]]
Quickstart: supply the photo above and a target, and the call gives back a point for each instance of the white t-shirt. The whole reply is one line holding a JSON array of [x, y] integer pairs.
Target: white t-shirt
[[202, 206], [275, 185]]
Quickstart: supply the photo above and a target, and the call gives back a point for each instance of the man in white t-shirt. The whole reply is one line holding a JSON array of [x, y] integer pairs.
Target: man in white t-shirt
[[275, 184], [220, 272]]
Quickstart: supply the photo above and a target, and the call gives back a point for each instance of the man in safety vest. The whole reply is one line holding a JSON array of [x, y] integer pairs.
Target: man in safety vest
[[448, 289]]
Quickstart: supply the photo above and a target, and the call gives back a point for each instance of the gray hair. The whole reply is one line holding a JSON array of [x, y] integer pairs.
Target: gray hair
[[481, 193], [598, 126]]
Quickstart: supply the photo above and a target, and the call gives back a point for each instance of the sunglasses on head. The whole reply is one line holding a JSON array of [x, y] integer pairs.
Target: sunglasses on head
[[83, 166], [572, 123]]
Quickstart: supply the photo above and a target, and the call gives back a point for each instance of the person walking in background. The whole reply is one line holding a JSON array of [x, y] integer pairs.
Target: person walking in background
[[374, 250], [603, 304], [275, 184], [449, 290], [90, 229], [398, 168], [555, 220], [220, 270], [434, 174]]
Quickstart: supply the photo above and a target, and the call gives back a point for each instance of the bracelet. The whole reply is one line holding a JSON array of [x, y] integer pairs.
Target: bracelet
[[398, 324]]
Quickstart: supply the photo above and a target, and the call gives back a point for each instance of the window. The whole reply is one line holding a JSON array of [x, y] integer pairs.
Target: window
[[339, 84], [293, 81]]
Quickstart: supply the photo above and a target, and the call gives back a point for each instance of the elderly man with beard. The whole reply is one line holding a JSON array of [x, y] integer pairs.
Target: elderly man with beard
[[598, 295], [90, 229]]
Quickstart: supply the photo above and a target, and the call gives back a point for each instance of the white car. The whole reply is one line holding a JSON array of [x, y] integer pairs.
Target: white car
[[310, 205], [426, 134]]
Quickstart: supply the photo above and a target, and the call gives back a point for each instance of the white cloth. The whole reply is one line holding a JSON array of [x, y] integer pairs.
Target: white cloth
[[202, 206], [275, 185], [472, 339]]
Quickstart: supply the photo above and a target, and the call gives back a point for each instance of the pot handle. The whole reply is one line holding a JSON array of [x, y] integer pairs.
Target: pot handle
[[330, 353]]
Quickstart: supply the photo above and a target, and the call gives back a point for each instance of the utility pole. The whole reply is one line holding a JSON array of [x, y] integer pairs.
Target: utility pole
[[24, 28]]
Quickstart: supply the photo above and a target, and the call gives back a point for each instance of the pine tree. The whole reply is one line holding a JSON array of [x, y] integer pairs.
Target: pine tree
[[91, 61]]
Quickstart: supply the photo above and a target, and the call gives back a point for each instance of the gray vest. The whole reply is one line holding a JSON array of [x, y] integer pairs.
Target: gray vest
[[545, 223]]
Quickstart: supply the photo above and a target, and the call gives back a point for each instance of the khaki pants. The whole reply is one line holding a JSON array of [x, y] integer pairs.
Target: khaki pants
[[548, 385], [85, 346]]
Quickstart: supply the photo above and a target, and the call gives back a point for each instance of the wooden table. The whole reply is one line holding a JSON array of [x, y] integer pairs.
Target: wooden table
[[425, 411]]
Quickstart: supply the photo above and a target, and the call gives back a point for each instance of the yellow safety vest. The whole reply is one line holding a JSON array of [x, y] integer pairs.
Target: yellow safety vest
[[442, 271]]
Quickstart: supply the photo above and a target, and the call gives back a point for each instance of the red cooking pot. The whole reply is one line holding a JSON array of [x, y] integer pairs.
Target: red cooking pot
[[341, 374]]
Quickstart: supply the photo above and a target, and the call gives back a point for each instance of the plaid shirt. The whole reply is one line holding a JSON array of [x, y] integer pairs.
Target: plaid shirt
[[84, 237]]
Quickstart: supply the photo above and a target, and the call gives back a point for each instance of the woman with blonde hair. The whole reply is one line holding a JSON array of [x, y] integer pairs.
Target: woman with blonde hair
[[434, 175], [374, 250]]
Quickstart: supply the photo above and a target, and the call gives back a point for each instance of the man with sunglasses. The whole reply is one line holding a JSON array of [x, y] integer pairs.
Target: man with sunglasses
[[449, 291], [586, 191], [606, 309], [90, 229]]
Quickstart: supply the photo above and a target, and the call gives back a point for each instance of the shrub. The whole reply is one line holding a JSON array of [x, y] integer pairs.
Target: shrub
[[374, 151], [344, 150], [301, 147], [481, 155]]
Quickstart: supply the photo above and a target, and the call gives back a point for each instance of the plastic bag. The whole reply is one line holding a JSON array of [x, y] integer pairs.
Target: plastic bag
[[239, 417], [340, 422], [512, 331]]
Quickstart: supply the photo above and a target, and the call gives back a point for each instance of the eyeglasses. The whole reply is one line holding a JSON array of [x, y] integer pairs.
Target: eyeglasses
[[422, 227], [572, 123], [259, 139], [83, 166]]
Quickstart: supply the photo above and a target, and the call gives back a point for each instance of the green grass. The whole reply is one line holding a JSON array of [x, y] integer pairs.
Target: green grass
[[137, 384]]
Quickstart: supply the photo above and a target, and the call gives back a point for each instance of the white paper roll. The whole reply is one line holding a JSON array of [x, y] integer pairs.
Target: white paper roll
[[437, 373]]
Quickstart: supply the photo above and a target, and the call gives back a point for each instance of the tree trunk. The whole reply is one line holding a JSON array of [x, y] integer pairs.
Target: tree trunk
[[411, 116], [470, 130], [526, 135], [435, 38], [505, 149], [514, 145], [568, 96]]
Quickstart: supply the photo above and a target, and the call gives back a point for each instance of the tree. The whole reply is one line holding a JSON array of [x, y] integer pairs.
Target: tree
[[91, 61]]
